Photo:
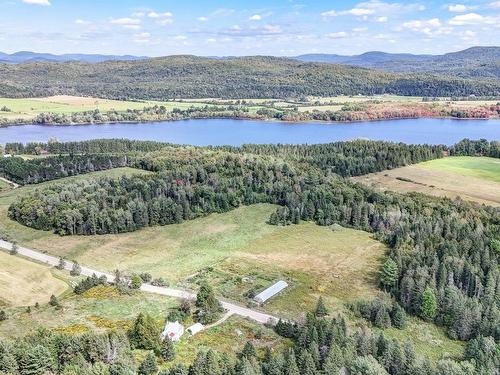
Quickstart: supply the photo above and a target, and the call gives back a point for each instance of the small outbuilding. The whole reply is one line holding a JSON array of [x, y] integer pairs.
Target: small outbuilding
[[7, 156], [174, 330], [195, 328], [270, 292]]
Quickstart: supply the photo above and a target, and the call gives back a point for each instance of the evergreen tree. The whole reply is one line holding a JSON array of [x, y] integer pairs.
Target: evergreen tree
[[36, 361], [145, 333], [167, 349], [53, 301], [179, 369], [62, 264], [149, 365], [428, 307], [321, 310], [76, 270], [3, 315], [8, 364], [209, 308], [248, 351], [290, 367], [389, 274]]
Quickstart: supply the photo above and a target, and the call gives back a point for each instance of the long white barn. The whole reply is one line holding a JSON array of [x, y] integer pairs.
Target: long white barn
[[270, 292]]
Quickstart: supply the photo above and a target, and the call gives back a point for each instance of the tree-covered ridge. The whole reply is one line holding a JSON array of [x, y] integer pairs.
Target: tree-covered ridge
[[246, 77]]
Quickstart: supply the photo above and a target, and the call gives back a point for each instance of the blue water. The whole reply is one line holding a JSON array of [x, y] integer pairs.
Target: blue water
[[237, 132]]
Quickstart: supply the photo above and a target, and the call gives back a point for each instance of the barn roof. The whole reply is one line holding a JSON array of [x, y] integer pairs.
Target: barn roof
[[271, 291]]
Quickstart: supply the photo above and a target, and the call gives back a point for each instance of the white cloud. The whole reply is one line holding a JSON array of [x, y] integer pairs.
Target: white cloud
[[429, 28], [338, 35], [179, 37], [418, 24], [82, 22], [382, 19], [211, 40], [37, 2], [472, 19], [202, 19], [350, 12], [495, 5], [458, 8], [255, 17], [138, 14], [159, 15], [129, 23]]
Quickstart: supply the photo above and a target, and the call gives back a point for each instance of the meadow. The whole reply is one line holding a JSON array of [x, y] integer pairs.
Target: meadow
[[475, 179]]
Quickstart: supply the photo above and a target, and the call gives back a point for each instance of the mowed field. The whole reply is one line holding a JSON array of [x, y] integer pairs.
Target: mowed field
[[66, 104], [23, 283], [475, 179]]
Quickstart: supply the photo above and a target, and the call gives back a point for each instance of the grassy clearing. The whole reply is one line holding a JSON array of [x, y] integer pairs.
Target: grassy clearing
[[23, 283], [475, 179], [429, 340], [4, 186]]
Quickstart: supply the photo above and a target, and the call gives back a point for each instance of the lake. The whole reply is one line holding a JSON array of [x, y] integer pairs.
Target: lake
[[236, 132]]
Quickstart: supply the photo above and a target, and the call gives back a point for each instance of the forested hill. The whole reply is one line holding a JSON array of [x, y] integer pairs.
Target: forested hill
[[245, 77], [473, 62]]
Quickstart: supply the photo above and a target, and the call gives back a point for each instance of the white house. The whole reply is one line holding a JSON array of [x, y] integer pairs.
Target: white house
[[174, 330], [270, 292], [7, 156], [195, 328]]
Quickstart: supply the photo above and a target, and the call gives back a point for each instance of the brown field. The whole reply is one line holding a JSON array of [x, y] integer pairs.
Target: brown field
[[23, 283], [443, 178]]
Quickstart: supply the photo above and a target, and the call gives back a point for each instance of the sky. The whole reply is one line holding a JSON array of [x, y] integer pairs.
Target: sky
[[257, 27]]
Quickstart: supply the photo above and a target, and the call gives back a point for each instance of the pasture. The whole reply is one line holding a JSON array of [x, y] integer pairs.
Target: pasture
[[476, 179]]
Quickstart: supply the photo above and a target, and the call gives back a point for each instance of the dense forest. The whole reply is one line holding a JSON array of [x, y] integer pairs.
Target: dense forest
[[443, 259], [245, 77], [319, 345]]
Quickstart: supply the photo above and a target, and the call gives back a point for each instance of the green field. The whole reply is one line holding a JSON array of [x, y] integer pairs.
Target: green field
[[474, 179], [480, 167], [63, 104]]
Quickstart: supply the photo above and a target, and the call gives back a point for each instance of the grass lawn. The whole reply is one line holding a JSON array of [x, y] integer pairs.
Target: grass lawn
[[23, 283], [475, 179], [4, 186]]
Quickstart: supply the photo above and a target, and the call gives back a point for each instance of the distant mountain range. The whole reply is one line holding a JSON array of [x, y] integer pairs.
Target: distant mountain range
[[27, 56], [472, 62]]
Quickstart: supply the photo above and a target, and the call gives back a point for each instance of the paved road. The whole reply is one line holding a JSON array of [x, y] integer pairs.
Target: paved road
[[148, 288]]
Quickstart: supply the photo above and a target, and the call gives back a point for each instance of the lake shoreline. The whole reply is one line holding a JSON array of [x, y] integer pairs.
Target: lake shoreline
[[241, 118]]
